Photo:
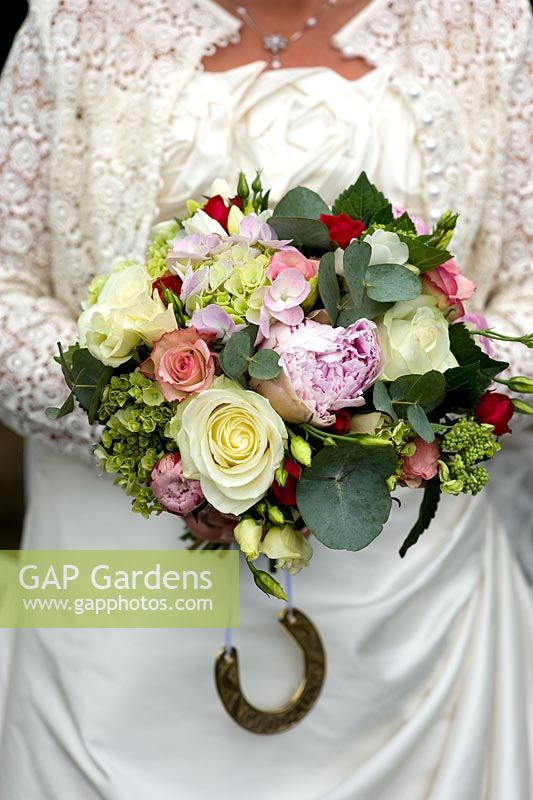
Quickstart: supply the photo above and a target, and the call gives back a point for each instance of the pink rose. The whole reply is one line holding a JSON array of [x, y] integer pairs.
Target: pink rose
[[181, 363], [176, 493], [448, 284], [324, 369], [291, 259], [212, 525], [422, 465]]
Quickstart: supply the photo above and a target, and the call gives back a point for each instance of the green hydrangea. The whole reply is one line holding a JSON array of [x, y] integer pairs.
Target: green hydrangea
[[135, 416], [156, 263], [465, 445]]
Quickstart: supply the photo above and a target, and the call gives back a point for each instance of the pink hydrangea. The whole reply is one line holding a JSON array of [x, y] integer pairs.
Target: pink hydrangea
[[324, 369], [282, 300], [422, 465], [450, 287], [176, 493]]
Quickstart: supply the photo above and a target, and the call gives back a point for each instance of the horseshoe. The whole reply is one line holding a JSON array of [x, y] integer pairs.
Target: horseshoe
[[255, 720]]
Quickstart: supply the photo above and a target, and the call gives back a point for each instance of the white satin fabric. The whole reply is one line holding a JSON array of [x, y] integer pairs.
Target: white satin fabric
[[429, 685]]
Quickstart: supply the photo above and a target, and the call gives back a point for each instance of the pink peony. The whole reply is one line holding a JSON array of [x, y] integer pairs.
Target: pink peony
[[420, 226], [448, 284], [291, 259], [176, 493], [324, 369], [422, 465], [478, 322], [282, 300], [181, 363]]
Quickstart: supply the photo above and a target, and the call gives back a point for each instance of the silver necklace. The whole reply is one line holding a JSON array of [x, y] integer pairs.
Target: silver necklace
[[275, 43]]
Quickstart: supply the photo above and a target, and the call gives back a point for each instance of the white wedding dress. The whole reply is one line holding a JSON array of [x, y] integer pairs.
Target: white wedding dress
[[429, 685]]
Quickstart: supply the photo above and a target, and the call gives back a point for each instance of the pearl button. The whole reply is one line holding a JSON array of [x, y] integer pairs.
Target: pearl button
[[436, 169], [414, 91], [435, 213], [434, 190], [310, 22], [430, 144], [427, 119], [348, 52]]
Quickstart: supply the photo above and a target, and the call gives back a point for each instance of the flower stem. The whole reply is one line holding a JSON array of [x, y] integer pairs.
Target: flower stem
[[527, 340]]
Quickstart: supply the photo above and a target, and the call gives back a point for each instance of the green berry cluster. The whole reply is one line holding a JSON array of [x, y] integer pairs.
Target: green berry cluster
[[463, 447], [133, 441], [400, 436], [156, 263]]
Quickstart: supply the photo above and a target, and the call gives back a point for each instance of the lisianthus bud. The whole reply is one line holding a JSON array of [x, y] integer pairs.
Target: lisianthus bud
[[301, 450], [289, 547], [243, 190], [521, 407], [519, 383], [422, 465], [276, 515], [248, 535], [286, 494]]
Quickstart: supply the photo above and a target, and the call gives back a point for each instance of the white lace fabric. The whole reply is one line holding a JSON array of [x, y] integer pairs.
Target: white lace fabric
[[86, 99]]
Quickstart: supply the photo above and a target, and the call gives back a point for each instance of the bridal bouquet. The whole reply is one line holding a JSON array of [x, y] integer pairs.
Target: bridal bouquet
[[272, 375]]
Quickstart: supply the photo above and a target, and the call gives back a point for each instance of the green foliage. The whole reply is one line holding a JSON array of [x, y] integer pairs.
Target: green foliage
[[236, 354], [264, 365], [86, 377], [362, 200], [442, 233], [355, 262], [328, 286], [428, 509], [427, 390], [301, 202], [391, 283], [369, 309], [422, 255], [343, 497], [466, 383], [302, 231], [417, 419], [382, 400]]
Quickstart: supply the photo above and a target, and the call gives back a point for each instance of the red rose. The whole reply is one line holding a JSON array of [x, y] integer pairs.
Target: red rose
[[216, 208], [287, 494], [171, 282], [342, 228], [495, 409], [342, 422]]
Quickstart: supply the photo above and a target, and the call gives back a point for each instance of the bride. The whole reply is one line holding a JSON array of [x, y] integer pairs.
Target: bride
[[109, 123]]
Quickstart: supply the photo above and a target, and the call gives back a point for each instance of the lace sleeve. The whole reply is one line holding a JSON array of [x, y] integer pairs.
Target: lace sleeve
[[510, 306], [32, 321]]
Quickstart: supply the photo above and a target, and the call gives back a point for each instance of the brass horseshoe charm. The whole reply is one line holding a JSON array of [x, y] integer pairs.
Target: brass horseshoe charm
[[253, 719]]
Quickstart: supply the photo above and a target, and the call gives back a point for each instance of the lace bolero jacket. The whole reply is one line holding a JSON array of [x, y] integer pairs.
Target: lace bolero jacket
[[85, 103]]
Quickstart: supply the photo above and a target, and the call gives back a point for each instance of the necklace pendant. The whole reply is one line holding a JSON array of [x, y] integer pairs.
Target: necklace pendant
[[274, 43], [275, 63]]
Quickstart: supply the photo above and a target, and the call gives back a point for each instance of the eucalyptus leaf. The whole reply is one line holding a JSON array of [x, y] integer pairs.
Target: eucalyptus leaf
[[264, 365], [356, 258], [328, 286], [66, 408], [235, 355], [301, 202], [369, 309], [382, 401], [417, 419], [302, 231], [427, 390], [391, 283], [343, 497]]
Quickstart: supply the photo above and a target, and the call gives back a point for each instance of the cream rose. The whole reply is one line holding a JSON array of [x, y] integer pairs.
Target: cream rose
[[232, 441], [414, 339], [127, 313]]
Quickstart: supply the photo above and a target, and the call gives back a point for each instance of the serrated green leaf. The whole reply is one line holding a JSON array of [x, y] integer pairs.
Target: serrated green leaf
[[343, 497], [302, 231], [417, 419], [428, 509], [301, 202], [391, 283], [235, 355], [382, 401], [466, 383], [328, 286], [264, 366], [90, 378], [423, 255], [356, 258], [383, 216], [361, 200], [67, 408]]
